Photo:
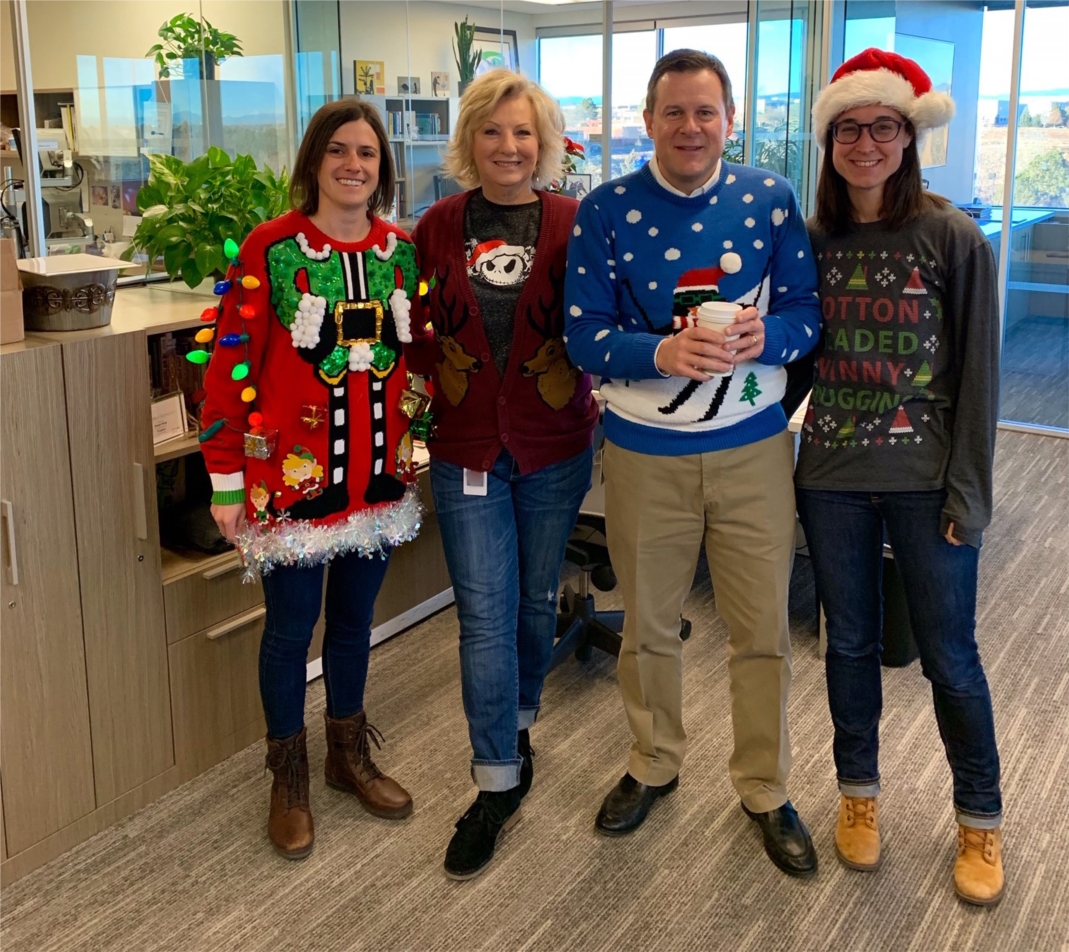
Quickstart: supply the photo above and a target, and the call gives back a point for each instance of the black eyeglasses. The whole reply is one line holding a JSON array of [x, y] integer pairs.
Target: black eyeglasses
[[882, 130]]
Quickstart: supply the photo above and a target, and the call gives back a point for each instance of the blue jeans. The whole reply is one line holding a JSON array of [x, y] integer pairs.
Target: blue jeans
[[845, 533], [504, 551], [293, 597]]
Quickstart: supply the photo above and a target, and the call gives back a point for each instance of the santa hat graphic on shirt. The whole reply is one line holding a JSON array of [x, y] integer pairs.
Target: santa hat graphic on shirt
[[901, 422], [484, 250], [878, 77], [699, 285], [914, 285]]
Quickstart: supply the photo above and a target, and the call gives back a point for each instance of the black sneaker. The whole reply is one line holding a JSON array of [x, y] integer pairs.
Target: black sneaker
[[526, 751], [472, 846]]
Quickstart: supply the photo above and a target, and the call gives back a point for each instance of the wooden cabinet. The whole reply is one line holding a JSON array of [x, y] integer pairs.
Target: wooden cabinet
[[113, 476], [45, 750]]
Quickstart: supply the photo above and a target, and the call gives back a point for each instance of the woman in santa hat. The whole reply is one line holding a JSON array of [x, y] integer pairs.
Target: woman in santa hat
[[898, 445], [514, 420]]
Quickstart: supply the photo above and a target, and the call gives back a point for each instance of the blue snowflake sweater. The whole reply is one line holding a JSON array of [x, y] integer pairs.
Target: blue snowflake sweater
[[642, 259]]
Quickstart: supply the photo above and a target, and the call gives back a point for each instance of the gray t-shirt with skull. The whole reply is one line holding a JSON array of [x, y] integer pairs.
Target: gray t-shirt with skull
[[500, 244]]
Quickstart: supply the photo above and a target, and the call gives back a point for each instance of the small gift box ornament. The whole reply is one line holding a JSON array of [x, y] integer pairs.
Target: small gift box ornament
[[260, 443], [414, 404]]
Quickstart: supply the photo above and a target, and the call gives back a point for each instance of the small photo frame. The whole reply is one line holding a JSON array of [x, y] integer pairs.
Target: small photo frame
[[500, 49], [369, 77], [577, 185], [168, 417], [440, 85], [408, 86]]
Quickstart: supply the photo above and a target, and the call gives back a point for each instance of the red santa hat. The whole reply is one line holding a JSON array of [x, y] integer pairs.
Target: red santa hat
[[483, 249], [709, 278], [877, 77]]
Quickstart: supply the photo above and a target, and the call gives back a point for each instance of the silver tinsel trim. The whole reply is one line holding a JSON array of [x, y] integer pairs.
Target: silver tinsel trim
[[296, 542]]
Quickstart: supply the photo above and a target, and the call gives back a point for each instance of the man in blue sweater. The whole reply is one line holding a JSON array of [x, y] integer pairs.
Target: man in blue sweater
[[697, 446]]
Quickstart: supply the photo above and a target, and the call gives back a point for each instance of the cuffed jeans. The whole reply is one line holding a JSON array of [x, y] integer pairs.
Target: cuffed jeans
[[845, 533], [293, 597], [504, 551]]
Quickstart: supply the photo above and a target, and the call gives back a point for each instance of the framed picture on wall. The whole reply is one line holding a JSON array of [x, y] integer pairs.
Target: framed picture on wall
[[369, 77], [408, 86], [577, 184], [500, 49]]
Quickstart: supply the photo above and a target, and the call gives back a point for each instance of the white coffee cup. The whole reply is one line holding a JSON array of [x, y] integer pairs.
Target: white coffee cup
[[718, 316]]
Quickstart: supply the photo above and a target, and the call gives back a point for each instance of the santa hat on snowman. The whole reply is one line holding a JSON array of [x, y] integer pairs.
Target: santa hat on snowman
[[697, 286], [876, 77]]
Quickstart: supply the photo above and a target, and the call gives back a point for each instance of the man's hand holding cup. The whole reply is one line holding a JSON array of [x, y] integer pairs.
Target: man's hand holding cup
[[726, 335]]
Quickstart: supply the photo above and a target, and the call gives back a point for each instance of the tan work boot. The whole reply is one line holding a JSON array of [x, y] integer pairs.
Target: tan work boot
[[349, 767], [289, 824], [978, 874], [857, 835]]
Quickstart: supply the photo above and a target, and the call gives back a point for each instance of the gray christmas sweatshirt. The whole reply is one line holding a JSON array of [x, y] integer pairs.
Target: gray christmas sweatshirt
[[906, 389]]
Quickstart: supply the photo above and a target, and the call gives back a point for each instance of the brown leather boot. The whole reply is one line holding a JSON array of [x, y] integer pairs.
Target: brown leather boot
[[857, 835], [289, 824], [349, 767], [978, 877]]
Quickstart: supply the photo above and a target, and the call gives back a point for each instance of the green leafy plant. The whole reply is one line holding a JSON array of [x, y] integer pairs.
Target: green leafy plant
[[190, 209], [185, 37], [467, 59]]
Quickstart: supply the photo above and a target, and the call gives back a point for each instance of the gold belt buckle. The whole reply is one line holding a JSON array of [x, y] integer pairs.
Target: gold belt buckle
[[339, 317]]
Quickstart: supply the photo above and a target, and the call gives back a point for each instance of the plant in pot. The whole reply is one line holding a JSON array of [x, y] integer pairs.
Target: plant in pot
[[467, 59], [190, 209], [187, 38]]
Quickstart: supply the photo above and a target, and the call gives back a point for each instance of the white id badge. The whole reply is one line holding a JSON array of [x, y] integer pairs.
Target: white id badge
[[474, 482]]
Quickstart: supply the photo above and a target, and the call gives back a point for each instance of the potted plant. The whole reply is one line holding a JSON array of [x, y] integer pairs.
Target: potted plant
[[467, 59], [187, 38], [190, 209]]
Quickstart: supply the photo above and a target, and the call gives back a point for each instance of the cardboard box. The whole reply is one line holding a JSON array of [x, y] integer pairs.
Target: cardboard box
[[9, 270], [11, 328]]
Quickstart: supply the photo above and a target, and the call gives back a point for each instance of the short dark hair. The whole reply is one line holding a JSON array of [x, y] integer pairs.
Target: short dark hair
[[304, 184], [904, 195], [689, 61]]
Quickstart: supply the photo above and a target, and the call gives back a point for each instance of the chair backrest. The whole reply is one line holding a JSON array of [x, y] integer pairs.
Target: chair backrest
[[445, 185]]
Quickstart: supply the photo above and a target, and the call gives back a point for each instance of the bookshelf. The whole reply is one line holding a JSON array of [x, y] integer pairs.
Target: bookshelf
[[419, 128]]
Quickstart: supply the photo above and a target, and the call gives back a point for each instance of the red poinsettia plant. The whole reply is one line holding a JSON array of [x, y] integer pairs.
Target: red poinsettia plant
[[572, 151]]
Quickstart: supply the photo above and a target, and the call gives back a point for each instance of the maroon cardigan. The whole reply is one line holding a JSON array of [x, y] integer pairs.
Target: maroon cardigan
[[542, 410]]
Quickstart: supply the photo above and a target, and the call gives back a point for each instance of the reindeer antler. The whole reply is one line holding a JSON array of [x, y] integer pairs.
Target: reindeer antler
[[451, 325], [547, 328]]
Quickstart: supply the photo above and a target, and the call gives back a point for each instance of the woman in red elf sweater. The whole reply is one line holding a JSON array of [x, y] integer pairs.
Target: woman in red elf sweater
[[308, 451], [511, 459]]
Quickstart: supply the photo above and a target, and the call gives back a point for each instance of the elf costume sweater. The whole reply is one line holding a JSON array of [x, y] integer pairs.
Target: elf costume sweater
[[541, 409], [642, 260], [906, 395], [301, 421]]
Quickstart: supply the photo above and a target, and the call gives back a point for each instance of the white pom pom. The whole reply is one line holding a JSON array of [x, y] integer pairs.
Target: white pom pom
[[730, 262]]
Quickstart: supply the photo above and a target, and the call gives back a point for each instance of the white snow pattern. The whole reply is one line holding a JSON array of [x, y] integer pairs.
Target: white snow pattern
[[747, 198], [633, 216], [759, 244], [749, 223], [575, 310], [601, 335], [777, 216], [697, 226], [653, 232], [672, 254]]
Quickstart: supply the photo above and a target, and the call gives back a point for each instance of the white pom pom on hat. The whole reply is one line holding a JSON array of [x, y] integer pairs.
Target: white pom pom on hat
[[730, 262], [878, 77]]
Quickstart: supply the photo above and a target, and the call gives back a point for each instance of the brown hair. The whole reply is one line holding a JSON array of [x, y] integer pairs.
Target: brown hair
[[904, 195], [304, 184], [689, 61]]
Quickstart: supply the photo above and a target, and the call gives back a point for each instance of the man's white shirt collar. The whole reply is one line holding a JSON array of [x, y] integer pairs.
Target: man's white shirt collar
[[663, 182]]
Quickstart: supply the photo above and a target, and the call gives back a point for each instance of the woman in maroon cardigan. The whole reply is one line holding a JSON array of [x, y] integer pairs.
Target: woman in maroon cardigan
[[511, 458]]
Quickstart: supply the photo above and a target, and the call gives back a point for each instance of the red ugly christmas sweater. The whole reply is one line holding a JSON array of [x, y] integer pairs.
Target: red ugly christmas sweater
[[301, 421]]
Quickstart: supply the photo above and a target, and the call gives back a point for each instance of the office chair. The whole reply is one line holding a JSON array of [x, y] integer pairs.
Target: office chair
[[580, 626]]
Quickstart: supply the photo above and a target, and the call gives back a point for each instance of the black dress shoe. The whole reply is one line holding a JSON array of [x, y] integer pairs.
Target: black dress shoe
[[628, 803], [787, 840], [472, 846]]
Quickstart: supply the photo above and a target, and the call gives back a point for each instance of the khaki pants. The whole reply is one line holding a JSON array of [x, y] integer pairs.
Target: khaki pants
[[658, 509]]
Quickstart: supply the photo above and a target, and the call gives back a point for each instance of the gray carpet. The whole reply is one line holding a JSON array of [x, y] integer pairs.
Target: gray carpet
[[194, 871]]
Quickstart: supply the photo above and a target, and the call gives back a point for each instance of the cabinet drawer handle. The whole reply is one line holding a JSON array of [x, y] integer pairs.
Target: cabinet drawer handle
[[237, 622], [140, 513], [13, 559], [217, 571]]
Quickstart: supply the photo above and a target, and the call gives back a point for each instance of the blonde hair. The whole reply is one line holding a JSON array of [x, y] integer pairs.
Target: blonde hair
[[479, 101]]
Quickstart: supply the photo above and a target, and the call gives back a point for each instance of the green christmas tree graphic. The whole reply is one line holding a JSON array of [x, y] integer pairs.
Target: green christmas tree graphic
[[749, 388], [924, 376]]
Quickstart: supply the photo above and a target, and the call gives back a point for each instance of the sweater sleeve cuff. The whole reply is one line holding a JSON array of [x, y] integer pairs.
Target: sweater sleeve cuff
[[776, 352], [656, 350], [228, 489]]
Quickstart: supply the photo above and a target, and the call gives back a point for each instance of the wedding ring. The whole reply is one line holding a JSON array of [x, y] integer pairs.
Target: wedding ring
[[753, 337]]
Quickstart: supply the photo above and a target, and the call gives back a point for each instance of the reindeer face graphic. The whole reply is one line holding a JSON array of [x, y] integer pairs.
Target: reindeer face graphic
[[453, 371], [555, 373]]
